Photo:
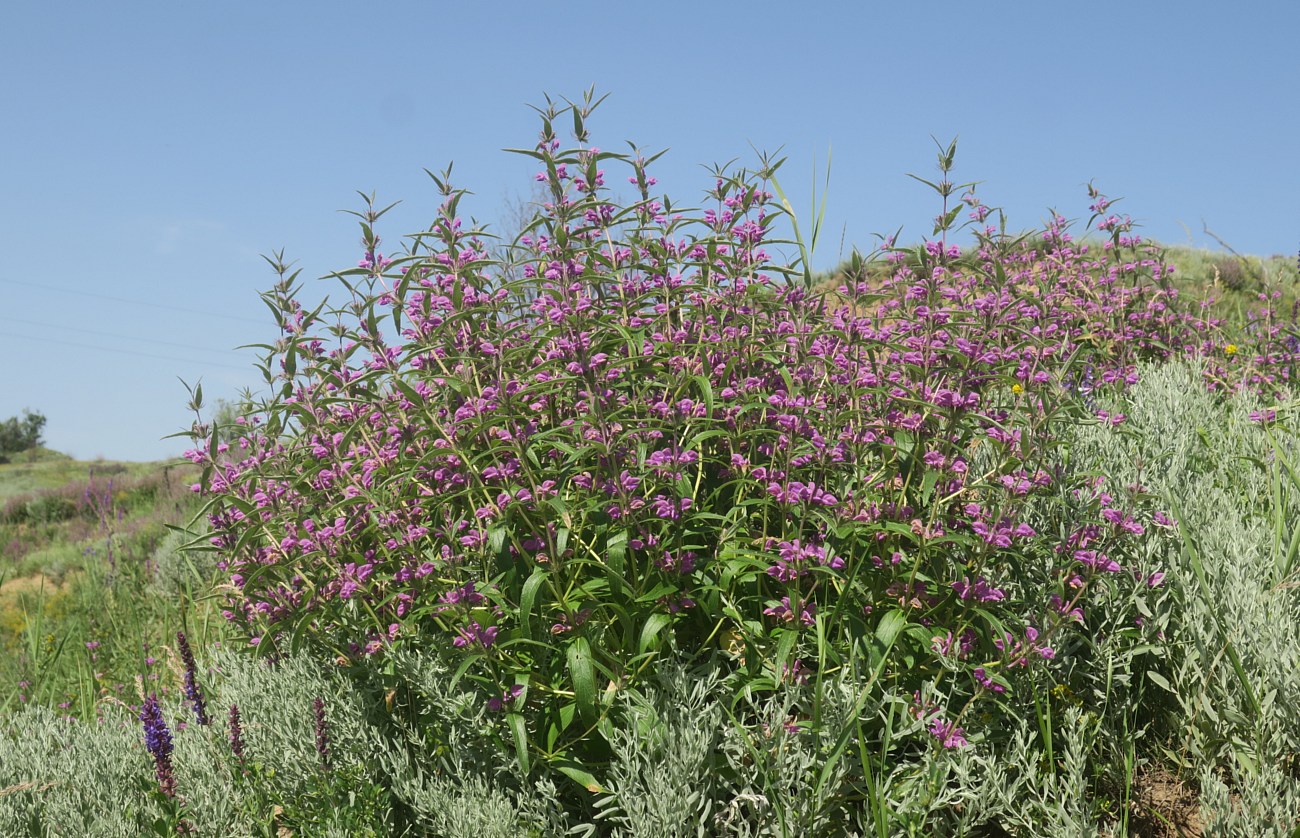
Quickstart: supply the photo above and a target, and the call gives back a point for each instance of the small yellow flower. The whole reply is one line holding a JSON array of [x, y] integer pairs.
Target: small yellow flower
[[1230, 349], [1017, 389], [1063, 693]]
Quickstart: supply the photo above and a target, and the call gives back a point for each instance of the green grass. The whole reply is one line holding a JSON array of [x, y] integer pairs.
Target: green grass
[[44, 469], [1234, 281], [87, 557]]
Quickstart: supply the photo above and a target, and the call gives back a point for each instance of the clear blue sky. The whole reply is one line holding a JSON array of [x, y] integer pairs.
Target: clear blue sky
[[151, 151]]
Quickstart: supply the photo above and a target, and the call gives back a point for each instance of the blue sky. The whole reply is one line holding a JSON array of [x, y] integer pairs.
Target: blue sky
[[153, 150]]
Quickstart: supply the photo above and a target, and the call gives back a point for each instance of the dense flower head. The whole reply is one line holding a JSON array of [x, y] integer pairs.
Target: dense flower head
[[236, 733], [320, 725], [158, 742], [157, 738]]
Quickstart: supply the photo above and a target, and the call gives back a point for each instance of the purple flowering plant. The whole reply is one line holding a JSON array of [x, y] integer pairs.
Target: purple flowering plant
[[660, 440]]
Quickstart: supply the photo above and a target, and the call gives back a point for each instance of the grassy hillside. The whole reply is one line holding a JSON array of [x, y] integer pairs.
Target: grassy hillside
[[1235, 283], [44, 469], [90, 576], [1232, 283]]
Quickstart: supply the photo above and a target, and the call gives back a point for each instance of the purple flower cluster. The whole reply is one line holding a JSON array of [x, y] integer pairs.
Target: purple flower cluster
[[320, 725], [654, 431], [158, 742], [237, 746]]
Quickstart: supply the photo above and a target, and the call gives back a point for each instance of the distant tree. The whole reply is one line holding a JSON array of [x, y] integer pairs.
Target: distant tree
[[19, 434], [228, 417], [516, 216]]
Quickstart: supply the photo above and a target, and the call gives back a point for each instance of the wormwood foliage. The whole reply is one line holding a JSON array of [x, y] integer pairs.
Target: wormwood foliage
[[65, 777], [1224, 673]]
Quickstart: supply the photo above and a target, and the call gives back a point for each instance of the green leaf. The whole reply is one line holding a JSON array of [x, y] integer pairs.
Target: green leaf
[[496, 540], [615, 556], [887, 631], [933, 186], [784, 651], [537, 155], [582, 776], [927, 485], [651, 629], [462, 669], [661, 590], [528, 598], [1161, 681], [706, 390], [583, 676], [577, 123], [567, 713], [519, 732], [946, 221]]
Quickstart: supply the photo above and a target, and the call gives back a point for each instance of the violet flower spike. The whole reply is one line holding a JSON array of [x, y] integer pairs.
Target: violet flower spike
[[158, 741], [193, 693], [236, 735], [322, 732]]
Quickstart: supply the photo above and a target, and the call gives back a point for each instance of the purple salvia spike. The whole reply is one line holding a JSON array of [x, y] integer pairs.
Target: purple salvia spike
[[158, 741], [192, 691], [322, 732], [236, 735]]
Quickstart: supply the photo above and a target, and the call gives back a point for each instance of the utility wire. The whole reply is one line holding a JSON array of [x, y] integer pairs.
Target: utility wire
[[190, 347], [80, 293], [124, 351]]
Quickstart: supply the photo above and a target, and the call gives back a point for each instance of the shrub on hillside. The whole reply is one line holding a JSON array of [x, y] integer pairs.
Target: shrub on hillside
[[658, 445], [20, 434]]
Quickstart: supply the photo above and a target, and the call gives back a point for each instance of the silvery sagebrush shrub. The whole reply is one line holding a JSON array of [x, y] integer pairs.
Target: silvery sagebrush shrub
[[684, 764], [1265, 802], [1012, 788], [157, 769], [177, 570], [1231, 643], [662, 772], [61, 777], [449, 771]]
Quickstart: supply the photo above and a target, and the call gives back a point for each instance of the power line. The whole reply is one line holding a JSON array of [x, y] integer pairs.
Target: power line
[[124, 351], [190, 347], [78, 292]]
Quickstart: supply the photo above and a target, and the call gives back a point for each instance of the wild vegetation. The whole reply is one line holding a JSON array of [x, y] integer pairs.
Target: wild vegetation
[[647, 532], [93, 586], [19, 435]]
